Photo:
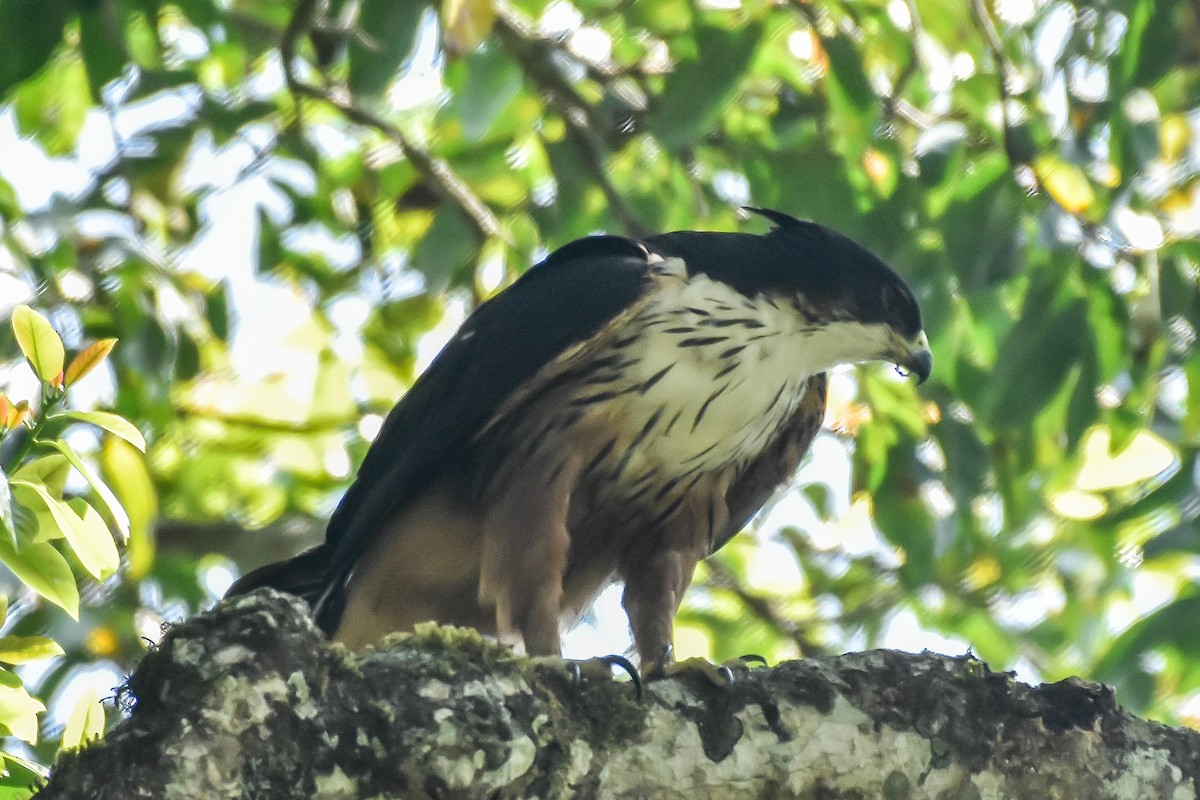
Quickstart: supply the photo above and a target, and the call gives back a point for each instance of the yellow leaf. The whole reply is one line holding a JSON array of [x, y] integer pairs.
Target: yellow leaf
[[1065, 182], [23, 649], [1176, 137], [466, 23], [42, 568], [84, 530], [96, 549], [39, 342], [125, 468], [1145, 456], [51, 471], [18, 711], [89, 359], [113, 423], [18, 413], [86, 723]]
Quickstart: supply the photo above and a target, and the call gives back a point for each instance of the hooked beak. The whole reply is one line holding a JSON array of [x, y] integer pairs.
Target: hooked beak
[[917, 359]]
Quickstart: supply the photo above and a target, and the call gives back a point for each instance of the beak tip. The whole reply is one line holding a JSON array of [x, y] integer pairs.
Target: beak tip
[[920, 364]]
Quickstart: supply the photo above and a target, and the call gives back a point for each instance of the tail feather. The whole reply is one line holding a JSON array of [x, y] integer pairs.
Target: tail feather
[[304, 575]]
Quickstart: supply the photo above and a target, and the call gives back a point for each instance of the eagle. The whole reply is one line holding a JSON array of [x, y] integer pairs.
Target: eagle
[[618, 413]]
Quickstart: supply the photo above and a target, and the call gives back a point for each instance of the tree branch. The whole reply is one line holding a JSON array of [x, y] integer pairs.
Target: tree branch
[[533, 52], [249, 701], [452, 188]]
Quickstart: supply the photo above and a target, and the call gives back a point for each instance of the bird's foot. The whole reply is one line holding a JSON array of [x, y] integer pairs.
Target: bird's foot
[[719, 675], [599, 668]]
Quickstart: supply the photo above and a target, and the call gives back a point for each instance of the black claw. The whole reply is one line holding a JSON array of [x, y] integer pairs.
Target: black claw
[[630, 670], [576, 677], [753, 658], [727, 674]]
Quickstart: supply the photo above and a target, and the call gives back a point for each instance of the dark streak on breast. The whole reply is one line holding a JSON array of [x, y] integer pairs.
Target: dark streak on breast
[[653, 379], [591, 399], [729, 322], [701, 341], [600, 456], [707, 403], [728, 368]]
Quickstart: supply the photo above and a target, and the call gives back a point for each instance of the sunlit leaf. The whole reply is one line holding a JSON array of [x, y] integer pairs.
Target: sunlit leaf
[[113, 423], [18, 710], [51, 470], [125, 469], [87, 360], [42, 568], [1065, 182], [83, 529], [117, 514], [7, 523], [23, 649], [96, 549], [465, 23], [38, 341], [86, 722]]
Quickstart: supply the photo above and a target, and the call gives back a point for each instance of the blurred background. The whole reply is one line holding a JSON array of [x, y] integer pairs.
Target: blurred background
[[283, 210]]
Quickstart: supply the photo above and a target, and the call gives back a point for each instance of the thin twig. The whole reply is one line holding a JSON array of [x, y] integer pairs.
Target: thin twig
[[437, 171], [991, 37], [891, 105], [764, 609], [532, 51]]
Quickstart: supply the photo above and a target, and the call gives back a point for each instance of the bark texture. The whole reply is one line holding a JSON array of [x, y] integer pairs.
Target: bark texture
[[250, 701]]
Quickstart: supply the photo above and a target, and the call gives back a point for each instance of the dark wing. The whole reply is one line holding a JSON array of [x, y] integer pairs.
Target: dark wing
[[777, 463], [565, 300]]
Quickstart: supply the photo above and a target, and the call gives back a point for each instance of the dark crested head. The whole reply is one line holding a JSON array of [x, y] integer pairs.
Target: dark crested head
[[834, 280]]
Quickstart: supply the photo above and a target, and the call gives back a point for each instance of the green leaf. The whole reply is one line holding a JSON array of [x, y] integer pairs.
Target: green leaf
[[113, 423], [101, 44], [698, 90], [96, 549], [115, 512], [23, 649], [84, 530], [125, 469], [7, 525], [86, 723], [392, 27], [446, 248], [38, 341], [853, 106], [51, 471], [1035, 360], [18, 710], [30, 30], [491, 83], [43, 569]]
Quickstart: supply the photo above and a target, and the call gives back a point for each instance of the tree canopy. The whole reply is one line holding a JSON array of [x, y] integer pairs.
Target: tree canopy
[[279, 210]]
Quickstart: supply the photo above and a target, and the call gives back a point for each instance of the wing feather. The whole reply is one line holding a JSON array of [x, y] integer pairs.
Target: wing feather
[[552, 308]]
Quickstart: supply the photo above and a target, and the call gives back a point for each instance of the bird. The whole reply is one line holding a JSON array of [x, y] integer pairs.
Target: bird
[[619, 412]]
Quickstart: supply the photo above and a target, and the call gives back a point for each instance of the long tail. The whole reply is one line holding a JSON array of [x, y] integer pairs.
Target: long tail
[[305, 575]]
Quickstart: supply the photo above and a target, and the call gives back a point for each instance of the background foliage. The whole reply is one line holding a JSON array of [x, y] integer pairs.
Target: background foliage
[[272, 206]]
